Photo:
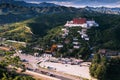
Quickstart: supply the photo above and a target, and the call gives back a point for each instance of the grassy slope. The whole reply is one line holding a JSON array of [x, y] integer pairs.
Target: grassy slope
[[17, 31]]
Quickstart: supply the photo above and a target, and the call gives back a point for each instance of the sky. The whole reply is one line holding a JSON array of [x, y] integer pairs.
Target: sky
[[81, 3]]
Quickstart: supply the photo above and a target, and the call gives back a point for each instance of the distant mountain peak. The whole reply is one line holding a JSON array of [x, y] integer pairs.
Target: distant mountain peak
[[45, 4], [6, 1], [105, 10]]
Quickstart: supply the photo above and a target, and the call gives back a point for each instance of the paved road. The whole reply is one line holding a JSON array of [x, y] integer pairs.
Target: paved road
[[38, 75], [51, 74], [62, 78], [60, 75]]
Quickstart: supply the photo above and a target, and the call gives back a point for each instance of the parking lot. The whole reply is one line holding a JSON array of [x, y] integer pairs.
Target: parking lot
[[68, 66]]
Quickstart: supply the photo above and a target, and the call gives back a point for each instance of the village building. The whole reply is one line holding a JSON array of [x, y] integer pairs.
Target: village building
[[59, 46], [79, 31], [37, 48], [108, 53], [65, 32], [18, 42], [75, 43], [47, 55], [20, 51], [84, 30], [92, 23], [36, 54], [76, 47], [85, 36], [53, 40], [75, 39]]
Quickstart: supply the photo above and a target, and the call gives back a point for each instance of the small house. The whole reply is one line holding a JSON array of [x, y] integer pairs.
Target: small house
[[59, 46], [107, 52], [75, 43], [48, 55], [76, 47], [75, 39]]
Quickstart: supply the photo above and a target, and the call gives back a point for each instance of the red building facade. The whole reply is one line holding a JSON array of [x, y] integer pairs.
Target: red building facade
[[79, 20]]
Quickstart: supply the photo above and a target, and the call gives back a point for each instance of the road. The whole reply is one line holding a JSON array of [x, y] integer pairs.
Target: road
[[33, 74], [59, 75]]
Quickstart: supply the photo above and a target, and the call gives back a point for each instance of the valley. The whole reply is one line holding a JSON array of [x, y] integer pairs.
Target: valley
[[58, 42]]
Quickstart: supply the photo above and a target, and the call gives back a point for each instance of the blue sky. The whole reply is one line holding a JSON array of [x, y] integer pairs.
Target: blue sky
[[81, 3]]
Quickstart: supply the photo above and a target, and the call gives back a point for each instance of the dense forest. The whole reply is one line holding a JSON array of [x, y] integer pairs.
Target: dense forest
[[105, 69], [106, 36], [99, 37]]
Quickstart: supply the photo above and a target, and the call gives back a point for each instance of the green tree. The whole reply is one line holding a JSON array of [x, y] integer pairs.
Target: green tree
[[98, 67], [96, 59]]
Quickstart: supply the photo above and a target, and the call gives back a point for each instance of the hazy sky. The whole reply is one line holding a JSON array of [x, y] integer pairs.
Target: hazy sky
[[80, 3]]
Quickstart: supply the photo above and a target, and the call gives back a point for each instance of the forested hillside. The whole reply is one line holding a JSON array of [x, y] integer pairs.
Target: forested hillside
[[104, 36], [107, 35], [105, 69]]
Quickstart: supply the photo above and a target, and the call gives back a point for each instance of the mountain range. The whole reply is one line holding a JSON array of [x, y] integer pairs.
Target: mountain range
[[14, 11], [24, 4], [45, 7], [104, 10]]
